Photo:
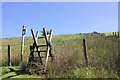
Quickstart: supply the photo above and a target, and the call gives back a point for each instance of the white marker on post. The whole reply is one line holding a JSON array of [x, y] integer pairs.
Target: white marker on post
[[24, 30]]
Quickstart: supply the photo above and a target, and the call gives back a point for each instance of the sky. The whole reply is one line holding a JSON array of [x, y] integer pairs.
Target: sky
[[62, 17]]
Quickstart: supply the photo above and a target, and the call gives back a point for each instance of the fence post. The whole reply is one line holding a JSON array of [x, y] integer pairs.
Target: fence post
[[118, 34], [9, 56], [85, 51], [113, 33], [24, 30]]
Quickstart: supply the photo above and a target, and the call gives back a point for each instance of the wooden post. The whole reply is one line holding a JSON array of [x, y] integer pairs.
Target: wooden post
[[115, 34], [51, 52], [48, 48], [118, 34], [22, 50], [85, 51], [9, 56], [24, 30]]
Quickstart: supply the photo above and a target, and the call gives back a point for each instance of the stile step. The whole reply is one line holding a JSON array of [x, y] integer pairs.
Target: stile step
[[42, 45], [39, 57], [39, 51], [43, 36]]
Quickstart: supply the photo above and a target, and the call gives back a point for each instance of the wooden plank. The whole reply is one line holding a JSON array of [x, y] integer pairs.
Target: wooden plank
[[85, 51], [40, 51], [42, 45], [46, 37], [51, 52], [47, 54], [46, 59], [34, 37], [115, 34], [37, 33], [41, 57], [50, 37], [32, 31], [9, 56], [36, 43]]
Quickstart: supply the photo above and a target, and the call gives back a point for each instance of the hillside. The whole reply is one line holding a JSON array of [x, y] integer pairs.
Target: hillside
[[69, 63]]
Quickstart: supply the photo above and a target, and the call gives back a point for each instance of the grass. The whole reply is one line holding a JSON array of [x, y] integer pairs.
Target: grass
[[15, 73], [90, 72], [70, 62]]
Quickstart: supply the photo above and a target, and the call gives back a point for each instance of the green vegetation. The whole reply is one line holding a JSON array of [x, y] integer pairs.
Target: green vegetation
[[70, 63], [7, 73]]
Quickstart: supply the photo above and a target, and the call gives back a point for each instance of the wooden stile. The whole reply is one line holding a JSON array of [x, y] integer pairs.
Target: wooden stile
[[35, 44], [48, 46]]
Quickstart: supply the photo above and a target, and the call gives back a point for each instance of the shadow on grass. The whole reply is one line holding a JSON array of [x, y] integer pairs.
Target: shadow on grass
[[17, 72]]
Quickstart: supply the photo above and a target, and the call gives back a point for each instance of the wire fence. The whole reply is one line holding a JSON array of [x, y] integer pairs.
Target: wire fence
[[55, 42], [86, 36]]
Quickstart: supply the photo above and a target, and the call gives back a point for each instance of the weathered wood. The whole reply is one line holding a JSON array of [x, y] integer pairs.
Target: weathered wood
[[85, 51], [36, 43], [42, 45], [115, 34], [9, 56], [50, 37], [34, 37], [37, 33], [22, 46], [40, 51], [118, 34], [41, 54], [48, 48], [51, 52], [45, 34]]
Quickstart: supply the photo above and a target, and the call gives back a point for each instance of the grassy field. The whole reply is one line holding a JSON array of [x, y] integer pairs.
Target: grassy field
[[102, 52]]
